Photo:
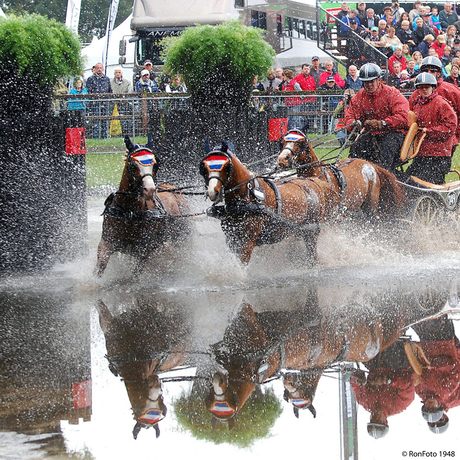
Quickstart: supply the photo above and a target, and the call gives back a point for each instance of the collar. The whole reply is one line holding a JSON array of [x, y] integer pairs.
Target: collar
[[423, 101]]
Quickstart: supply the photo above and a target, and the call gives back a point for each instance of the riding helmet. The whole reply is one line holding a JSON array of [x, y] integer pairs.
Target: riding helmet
[[429, 62], [428, 414], [369, 72], [377, 430], [426, 78], [440, 426]]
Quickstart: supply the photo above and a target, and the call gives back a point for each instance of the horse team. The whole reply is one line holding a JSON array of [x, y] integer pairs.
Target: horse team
[[255, 210]]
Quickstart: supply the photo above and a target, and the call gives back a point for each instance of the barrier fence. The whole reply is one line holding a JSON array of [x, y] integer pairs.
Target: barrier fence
[[268, 115]]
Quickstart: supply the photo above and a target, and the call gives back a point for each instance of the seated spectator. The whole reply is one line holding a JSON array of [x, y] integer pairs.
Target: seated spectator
[[176, 85], [395, 75], [370, 54], [373, 37], [448, 68], [389, 16], [414, 11], [341, 15], [438, 45], [406, 35], [454, 76], [361, 12], [420, 32], [411, 70], [420, 13], [450, 35], [447, 16], [435, 18], [371, 20], [418, 58], [352, 81], [446, 57], [406, 51], [382, 27], [404, 17], [389, 41], [329, 66], [425, 45], [405, 83], [397, 57], [456, 46]]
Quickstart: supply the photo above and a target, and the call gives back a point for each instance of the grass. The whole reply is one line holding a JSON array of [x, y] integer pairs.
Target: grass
[[106, 168]]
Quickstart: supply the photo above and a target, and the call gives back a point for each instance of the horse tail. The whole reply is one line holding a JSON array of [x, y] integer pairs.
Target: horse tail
[[391, 193]]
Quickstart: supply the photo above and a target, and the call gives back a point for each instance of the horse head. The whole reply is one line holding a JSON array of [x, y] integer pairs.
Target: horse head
[[217, 169], [141, 166], [296, 149], [300, 389], [147, 403]]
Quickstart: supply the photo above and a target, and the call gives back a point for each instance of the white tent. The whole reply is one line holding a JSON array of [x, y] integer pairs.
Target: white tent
[[93, 53]]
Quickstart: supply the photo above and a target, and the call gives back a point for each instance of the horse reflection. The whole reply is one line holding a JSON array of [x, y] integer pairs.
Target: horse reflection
[[300, 345], [142, 343]]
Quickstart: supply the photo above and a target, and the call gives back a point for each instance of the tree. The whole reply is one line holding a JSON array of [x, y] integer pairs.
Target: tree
[[93, 16], [218, 63]]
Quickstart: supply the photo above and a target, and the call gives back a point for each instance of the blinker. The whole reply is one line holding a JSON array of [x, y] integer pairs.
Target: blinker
[[143, 157]]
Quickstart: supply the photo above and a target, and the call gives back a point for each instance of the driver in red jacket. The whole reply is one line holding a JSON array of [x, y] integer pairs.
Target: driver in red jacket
[[383, 112]]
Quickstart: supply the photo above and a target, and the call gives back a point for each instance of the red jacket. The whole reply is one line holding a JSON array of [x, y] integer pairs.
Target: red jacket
[[394, 58], [391, 398], [338, 79], [386, 104], [452, 95], [439, 48], [438, 117], [290, 86], [307, 83]]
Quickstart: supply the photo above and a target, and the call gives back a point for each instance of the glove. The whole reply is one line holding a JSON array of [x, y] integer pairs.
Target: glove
[[357, 123], [374, 124]]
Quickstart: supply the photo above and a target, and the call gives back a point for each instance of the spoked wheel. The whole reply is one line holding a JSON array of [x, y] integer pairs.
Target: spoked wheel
[[426, 212]]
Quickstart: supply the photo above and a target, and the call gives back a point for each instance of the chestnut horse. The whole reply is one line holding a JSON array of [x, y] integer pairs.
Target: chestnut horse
[[259, 211], [300, 345], [142, 343], [361, 185], [136, 219]]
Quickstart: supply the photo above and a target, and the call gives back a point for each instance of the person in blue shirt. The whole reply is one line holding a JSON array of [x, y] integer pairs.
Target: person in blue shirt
[[78, 104], [146, 84]]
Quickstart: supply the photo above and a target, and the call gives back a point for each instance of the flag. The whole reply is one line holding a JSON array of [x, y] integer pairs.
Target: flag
[[108, 32], [73, 15]]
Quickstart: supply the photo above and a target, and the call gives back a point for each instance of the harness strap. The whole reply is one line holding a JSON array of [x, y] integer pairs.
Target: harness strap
[[278, 197], [340, 178]]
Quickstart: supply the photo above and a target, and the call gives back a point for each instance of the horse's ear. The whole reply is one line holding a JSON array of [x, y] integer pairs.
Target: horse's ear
[[296, 411], [214, 423], [312, 409], [129, 144], [157, 430], [224, 147], [207, 145], [231, 423], [149, 144], [136, 430]]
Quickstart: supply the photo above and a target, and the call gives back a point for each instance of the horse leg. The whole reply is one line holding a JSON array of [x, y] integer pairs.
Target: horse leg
[[310, 238], [104, 251]]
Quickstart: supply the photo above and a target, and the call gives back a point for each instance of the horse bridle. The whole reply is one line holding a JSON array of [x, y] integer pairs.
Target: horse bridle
[[205, 171], [131, 167]]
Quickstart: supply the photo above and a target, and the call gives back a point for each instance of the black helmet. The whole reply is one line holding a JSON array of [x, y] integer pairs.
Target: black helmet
[[377, 430], [431, 62], [432, 415], [370, 72], [440, 426], [426, 78]]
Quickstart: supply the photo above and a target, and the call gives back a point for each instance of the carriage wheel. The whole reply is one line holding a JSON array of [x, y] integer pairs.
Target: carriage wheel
[[426, 212]]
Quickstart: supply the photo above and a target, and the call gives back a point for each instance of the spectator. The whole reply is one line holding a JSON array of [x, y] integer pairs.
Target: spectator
[[418, 58], [396, 10], [370, 54], [292, 103], [355, 46], [145, 84], [439, 45], [446, 57], [99, 83], [305, 80], [78, 104], [330, 103], [448, 68], [146, 66], [447, 16], [272, 83], [382, 27], [329, 70], [404, 17], [371, 20], [425, 44], [279, 74], [397, 57], [411, 70], [456, 46], [121, 86], [395, 75], [315, 70], [451, 33], [390, 41], [414, 12], [427, 22], [421, 12], [406, 35], [374, 37], [389, 17], [176, 85], [405, 83], [257, 85], [341, 15], [362, 13], [454, 76], [345, 26], [435, 21], [406, 51], [352, 81]]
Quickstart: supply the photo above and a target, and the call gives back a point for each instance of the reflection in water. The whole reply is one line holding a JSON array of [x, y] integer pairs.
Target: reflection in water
[[253, 367]]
